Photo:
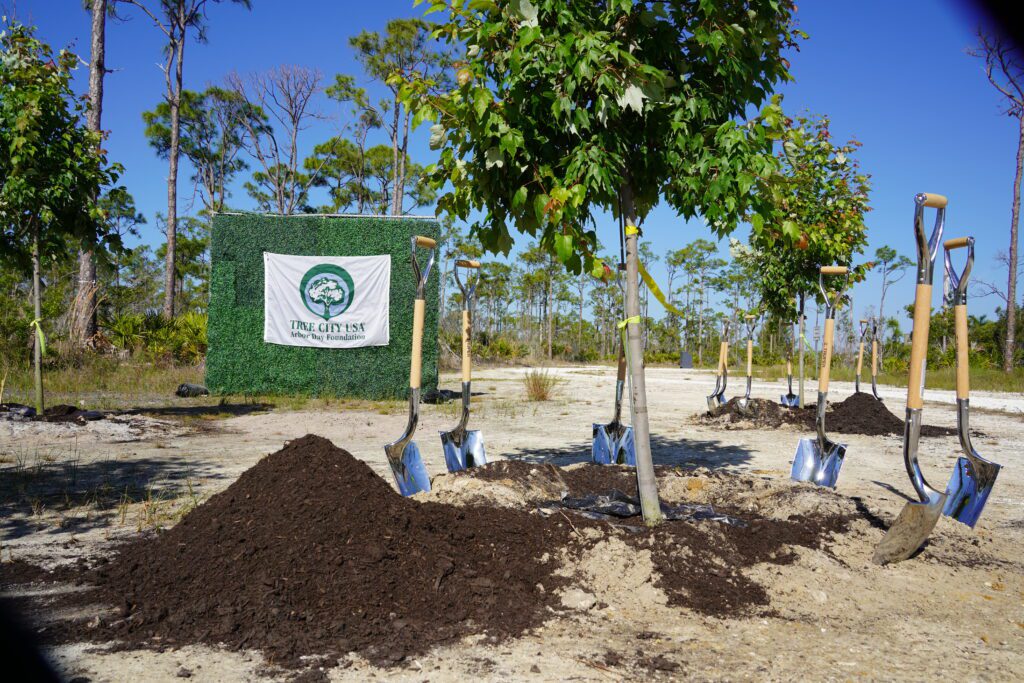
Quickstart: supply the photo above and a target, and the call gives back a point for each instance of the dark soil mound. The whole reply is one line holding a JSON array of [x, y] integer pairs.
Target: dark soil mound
[[310, 552], [760, 414], [862, 413]]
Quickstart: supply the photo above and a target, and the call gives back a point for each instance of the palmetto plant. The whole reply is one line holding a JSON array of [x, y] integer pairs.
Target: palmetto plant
[[127, 331]]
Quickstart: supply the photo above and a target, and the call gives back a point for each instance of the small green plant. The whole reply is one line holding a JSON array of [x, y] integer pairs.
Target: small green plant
[[540, 385]]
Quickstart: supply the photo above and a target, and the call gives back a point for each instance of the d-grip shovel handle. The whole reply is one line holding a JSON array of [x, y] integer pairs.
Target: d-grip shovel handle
[[958, 297], [419, 309]]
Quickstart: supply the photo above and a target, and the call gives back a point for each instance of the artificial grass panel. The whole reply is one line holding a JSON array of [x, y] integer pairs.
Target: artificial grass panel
[[239, 361]]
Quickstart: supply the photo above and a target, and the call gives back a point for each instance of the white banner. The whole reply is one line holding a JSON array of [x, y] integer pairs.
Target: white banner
[[330, 302]]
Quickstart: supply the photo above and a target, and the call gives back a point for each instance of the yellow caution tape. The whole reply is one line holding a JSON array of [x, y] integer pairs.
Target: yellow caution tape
[[39, 335]]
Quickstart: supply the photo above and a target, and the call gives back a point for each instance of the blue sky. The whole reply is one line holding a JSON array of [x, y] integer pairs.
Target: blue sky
[[892, 74]]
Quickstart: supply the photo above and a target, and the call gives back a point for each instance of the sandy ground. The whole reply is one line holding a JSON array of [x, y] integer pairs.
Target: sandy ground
[[954, 611]]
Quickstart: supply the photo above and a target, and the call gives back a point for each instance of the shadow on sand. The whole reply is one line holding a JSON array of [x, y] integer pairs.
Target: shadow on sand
[[665, 451]]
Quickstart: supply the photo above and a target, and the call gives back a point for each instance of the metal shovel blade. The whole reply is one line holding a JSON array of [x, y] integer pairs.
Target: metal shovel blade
[[408, 468], [789, 400], [613, 445], [968, 489], [910, 530], [816, 464], [462, 449]]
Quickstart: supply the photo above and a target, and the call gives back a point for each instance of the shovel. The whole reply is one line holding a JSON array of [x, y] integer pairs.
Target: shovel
[[860, 355], [819, 459], [916, 521], [874, 358], [613, 442], [403, 454], [744, 403], [464, 448], [973, 477], [717, 397]]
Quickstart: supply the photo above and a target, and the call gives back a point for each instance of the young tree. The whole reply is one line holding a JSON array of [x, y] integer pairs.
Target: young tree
[[405, 51], [52, 166], [175, 19], [567, 109], [1004, 66], [820, 198], [284, 96]]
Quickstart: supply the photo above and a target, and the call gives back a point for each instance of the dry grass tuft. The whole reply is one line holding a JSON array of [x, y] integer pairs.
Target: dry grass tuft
[[540, 385]]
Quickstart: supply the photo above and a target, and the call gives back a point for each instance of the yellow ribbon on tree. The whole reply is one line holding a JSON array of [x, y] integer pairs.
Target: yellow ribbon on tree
[[649, 281], [40, 337]]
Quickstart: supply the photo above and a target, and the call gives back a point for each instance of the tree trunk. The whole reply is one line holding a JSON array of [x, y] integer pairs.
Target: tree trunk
[[83, 317], [647, 485], [800, 343], [37, 353], [395, 209], [881, 315], [549, 312], [174, 100], [402, 157], [1011, 285]]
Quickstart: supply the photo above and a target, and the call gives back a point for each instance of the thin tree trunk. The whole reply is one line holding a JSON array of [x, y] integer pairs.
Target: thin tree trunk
[[800, 343], [647, 485], [1011, 285], [174, 100], [37, 304], [402, 157], [395, 209], [83, 318]]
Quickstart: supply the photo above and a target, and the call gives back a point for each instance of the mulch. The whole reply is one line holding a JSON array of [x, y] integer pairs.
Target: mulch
[[310, 552]]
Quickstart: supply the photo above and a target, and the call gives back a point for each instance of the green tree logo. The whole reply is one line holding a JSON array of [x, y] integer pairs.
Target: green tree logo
[[327, 290]]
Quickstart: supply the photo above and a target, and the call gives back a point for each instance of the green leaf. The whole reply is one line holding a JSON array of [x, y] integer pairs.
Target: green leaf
[[525, 10], [519, 199], [563, 247]]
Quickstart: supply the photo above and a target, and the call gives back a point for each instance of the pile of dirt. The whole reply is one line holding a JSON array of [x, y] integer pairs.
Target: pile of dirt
[[759, 414], [860, 413], [311, 553]]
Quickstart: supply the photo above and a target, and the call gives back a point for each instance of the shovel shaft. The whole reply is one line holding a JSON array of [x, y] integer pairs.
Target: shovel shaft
[[750, 357], [415, 366], [963, 386], [874, 357], [620, 371], [919, 345], [467, 355], [860, 359], [722, 351], [826, 356]]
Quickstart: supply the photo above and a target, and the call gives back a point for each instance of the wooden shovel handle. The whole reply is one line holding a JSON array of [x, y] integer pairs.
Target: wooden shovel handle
[[467, 353], [934, 201], [956, 243], [721, 358], [464, 263], [425, 242], [834, 270], [826, 356], [874, 357], [789, 367], [963, 383], [860, 359], [620, 371], [416, 366], [919, 345], [750, 357]]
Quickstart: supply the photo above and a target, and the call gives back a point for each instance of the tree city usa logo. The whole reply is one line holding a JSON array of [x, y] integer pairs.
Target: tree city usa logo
[[327, 291]]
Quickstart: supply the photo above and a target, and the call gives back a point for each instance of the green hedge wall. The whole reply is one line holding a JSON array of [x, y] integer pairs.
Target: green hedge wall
[[240, 362]]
